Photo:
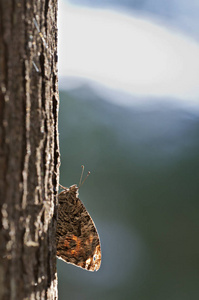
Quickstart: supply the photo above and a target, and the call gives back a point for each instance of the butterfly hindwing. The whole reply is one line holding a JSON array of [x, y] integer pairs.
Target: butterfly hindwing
[[76, 237]]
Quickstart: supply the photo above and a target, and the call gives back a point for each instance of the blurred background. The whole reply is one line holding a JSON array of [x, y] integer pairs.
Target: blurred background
[[129, 111]]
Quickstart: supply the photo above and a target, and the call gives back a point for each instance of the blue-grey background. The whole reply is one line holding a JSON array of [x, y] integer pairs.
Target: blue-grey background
[[143, 189]]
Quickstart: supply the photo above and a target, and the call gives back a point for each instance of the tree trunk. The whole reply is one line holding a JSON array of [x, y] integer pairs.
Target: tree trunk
[[29, 150]]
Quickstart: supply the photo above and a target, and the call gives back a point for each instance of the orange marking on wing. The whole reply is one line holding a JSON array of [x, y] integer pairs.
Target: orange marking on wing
[[74, 237], [75, 252], [66, 243], [78, 248]]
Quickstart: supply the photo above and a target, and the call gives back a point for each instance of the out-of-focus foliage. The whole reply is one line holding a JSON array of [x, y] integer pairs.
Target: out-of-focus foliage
[[142, 194]]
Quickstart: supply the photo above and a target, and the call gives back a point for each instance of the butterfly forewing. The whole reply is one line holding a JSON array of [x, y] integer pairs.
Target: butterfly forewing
[[76, 237]]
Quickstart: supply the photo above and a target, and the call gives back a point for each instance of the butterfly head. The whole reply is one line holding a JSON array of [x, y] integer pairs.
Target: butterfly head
[[74, 189]]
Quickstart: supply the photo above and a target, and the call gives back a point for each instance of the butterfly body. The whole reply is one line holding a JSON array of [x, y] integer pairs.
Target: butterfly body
[[76, 237]]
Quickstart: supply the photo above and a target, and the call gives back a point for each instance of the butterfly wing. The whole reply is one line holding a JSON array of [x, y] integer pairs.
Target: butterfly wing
[[76, 237]]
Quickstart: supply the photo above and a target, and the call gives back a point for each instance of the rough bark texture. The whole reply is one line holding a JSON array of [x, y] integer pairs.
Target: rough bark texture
[[29, 154]]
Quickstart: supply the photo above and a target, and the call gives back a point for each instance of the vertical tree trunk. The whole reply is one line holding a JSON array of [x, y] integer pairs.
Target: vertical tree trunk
[[29, 151]]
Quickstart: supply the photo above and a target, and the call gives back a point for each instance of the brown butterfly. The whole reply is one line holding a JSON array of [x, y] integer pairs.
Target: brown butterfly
[[77, 238]]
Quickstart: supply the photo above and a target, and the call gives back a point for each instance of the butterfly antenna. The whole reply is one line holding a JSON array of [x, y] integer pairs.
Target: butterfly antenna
[[86, 177], [80, 181]]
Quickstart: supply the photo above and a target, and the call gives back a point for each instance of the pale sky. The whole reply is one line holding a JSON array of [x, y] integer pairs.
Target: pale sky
[[132, 54]]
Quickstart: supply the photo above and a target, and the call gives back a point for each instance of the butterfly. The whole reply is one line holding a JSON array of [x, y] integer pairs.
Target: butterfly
[[77, 238]]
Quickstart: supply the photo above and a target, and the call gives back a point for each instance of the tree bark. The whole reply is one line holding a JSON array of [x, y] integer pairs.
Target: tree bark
[[29, 150]]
